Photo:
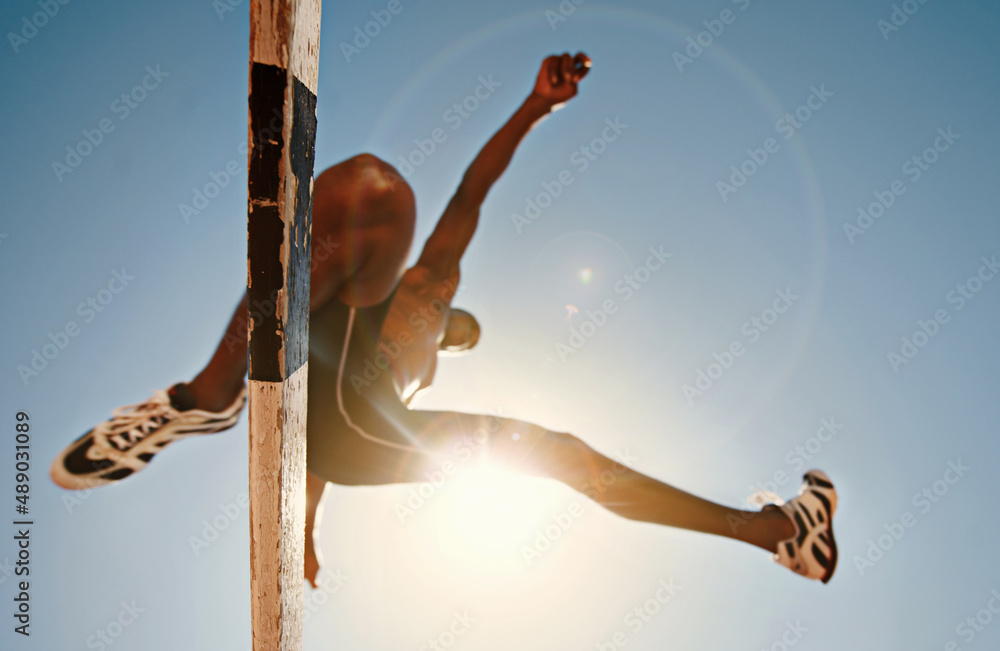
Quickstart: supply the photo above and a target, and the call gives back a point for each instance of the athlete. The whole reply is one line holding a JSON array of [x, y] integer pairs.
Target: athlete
[[374, 335]]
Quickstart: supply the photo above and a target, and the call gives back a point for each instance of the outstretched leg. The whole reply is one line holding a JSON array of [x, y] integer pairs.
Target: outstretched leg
[[388, 443], [525, 448], [626, 492]]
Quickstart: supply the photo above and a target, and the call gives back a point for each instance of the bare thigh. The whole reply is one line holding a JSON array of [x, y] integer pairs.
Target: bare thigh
[[370, 437]]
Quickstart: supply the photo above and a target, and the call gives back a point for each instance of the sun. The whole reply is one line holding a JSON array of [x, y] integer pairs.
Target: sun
[[486, 515]]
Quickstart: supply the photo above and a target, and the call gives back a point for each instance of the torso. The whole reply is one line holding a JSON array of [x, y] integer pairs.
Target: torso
[[414, 326]]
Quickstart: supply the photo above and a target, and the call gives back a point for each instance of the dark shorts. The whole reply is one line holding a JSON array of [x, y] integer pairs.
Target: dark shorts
[[361, 433]]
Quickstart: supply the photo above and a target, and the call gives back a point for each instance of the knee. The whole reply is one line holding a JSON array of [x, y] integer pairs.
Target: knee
[[562, 445], [376, 179], [366, 160], [362, 191], [566, 458], [368, 189], [363, 171], [557, 439]]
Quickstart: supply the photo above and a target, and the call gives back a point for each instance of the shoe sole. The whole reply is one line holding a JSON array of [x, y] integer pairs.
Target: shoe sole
[[823, 479], [833, 553]]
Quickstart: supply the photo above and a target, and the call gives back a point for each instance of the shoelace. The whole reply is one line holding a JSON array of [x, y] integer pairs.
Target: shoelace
[[132, 423]]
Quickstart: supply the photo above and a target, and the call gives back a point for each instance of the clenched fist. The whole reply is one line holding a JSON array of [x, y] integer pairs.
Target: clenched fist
[[558, 77]]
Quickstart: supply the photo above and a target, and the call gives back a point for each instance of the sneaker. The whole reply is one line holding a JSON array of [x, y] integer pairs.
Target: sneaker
[[812, 551], [127, 442]]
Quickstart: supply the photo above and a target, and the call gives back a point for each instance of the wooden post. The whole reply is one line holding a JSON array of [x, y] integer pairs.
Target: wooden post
[[284, 62]]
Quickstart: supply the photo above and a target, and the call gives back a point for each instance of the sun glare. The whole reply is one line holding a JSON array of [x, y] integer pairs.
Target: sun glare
[[487, 515]]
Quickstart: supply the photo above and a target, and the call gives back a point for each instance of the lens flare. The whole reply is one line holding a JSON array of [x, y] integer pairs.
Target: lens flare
[[486, 515]]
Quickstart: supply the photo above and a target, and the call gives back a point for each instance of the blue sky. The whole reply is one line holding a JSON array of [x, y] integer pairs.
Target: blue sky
[[865, 100]]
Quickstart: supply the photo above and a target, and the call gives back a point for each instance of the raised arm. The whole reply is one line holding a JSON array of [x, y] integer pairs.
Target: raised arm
[[555, 85]]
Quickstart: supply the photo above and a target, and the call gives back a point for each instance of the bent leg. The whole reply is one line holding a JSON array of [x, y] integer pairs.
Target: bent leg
[[347, 198]]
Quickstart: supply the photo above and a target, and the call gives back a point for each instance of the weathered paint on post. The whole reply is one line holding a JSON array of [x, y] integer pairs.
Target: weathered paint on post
[[284, 60]]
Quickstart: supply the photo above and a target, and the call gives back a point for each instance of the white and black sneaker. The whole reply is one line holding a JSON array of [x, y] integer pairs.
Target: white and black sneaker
[[812, 551], [127, 442]]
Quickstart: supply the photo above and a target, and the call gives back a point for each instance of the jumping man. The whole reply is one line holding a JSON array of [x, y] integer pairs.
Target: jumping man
[[374, 335]]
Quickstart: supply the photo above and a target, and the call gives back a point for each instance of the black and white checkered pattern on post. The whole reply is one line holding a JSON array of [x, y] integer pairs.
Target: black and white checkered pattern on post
[[284, 58]]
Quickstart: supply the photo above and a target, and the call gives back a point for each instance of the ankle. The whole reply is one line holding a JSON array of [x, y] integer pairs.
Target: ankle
[[778, 525], [213, 396], [768, 527]]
